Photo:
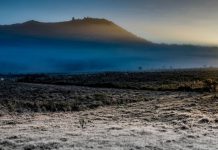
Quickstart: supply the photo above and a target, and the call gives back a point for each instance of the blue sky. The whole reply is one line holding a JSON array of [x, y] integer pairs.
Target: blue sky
[[162, 21]]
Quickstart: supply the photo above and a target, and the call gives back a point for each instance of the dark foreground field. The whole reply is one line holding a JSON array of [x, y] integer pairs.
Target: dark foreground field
[[199, 80], [155, 110]]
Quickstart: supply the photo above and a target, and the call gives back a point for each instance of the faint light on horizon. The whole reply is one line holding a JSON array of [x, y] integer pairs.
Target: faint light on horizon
[[194, 35]]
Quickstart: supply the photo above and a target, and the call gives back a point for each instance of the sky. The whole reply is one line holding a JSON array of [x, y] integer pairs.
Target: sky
[[160, 21]]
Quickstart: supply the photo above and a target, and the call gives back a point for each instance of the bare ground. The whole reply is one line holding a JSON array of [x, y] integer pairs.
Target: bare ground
[[159, 120]]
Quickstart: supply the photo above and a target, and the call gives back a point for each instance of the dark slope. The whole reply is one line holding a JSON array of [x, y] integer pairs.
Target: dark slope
[[88, 29]]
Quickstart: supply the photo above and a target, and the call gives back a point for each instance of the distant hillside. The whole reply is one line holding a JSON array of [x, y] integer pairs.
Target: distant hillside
[[91, 29], [90, 45]]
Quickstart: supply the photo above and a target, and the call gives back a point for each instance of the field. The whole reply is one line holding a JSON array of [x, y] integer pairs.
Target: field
[[171, 80], [145, 110]]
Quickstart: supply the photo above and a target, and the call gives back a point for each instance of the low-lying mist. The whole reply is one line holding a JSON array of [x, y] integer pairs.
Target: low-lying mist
[[26, 55]]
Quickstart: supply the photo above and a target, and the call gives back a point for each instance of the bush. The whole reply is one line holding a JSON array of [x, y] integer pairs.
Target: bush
[[185, 88], [210, 85], [103, 98]]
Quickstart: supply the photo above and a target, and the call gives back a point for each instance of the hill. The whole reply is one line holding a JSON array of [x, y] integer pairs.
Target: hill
[[89, 29]]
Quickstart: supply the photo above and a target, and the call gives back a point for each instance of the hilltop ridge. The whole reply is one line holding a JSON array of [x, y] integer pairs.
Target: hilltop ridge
[[99, 29]]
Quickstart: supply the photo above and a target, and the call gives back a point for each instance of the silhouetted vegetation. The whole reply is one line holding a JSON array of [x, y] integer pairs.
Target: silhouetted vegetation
[[200, 80], [210, 85]]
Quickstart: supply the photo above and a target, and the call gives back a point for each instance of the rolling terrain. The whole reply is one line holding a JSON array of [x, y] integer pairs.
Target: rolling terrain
[[44, 112]]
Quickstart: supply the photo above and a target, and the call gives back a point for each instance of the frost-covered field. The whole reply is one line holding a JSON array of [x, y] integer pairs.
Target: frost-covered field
[[160, 120]]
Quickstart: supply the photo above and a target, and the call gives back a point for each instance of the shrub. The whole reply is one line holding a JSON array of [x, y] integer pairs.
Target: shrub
[[101, 97], [185, 88], [210, 85], [82, 123]]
